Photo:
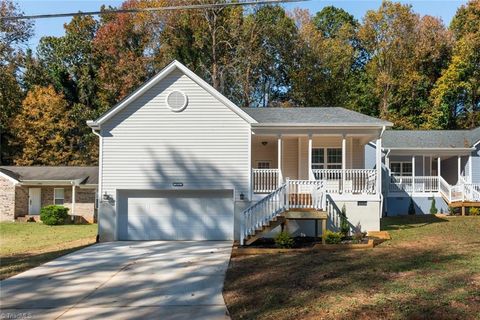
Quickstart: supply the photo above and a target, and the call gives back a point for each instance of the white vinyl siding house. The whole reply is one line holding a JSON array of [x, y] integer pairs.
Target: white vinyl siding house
[[180, 161], [147, 146]]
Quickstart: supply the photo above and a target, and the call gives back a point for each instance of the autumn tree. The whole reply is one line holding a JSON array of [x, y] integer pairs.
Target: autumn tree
[[326, 56], [403, 60], [263, 58], [13, 36], [43, 129], [124, 47], [456, 96]]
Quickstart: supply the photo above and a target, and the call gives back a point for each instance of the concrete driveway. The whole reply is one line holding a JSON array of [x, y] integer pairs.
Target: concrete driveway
[[124, 280]]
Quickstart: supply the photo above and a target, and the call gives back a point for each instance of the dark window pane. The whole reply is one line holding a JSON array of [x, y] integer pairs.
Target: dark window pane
[[334, 155]]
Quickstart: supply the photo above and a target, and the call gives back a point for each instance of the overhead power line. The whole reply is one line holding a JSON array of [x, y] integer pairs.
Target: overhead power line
[[139, 10]]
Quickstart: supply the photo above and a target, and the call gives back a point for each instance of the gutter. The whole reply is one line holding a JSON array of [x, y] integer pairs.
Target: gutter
[[432, 149], [319, 125]]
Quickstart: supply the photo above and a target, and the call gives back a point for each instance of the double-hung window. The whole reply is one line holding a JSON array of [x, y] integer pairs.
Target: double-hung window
[[263, 164], [401, 169], [58, 196], [326, 158]]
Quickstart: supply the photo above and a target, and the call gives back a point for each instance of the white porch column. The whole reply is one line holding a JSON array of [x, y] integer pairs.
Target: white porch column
[[439, 164], [344, 160], [379, 165], [459, 168], [73, 200], [470, 168], [279, 160], [310, 146], [413, 174]]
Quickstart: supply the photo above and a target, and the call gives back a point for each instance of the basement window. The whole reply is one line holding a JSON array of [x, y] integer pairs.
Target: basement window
[[58, 196]]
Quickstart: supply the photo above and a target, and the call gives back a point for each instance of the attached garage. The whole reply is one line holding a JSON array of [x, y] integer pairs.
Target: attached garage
[[175, 215]]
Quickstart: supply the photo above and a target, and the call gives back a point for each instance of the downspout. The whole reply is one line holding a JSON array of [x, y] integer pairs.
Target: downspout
[[99, 186], [380, 172]]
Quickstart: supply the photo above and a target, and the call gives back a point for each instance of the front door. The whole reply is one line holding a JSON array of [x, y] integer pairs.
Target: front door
[[34, 200]]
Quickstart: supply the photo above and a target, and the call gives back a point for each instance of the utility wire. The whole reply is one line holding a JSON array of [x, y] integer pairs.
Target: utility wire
[[138, 10]]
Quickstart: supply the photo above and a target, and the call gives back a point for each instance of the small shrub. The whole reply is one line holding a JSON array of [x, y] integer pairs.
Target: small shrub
[[411, 208], [433, 207], [358, 235], [54, 215], [284, 240], [333, 237], [474, 211], [344, 227], [451, 210]]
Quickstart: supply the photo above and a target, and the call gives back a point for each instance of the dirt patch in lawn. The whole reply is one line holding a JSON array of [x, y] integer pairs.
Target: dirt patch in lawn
[[428, 270]]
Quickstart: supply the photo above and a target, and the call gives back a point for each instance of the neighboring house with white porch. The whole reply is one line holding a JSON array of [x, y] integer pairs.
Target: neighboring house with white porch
[[179, 161], [437, 164]]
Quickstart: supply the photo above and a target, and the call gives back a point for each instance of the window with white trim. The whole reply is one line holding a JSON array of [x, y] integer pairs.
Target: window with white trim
[[58, 196], [326, 158], [401, 169], [263, 164]]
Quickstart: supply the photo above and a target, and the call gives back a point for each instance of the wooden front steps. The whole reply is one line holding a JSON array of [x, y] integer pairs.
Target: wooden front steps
[[293, 214], [265, 229]]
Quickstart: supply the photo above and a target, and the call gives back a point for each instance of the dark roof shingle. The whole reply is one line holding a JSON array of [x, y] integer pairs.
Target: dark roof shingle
[[89, 175], [441, 139], [317, 116]]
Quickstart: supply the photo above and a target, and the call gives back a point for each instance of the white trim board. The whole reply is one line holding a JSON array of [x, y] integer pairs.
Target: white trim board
[[162, 74]]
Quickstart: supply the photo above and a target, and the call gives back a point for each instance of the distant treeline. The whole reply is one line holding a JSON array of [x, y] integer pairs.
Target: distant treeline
[[394, 64]]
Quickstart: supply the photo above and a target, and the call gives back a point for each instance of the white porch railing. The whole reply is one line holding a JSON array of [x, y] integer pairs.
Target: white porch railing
[[348, 181], [265, 180], [291, 194], [419, 184]]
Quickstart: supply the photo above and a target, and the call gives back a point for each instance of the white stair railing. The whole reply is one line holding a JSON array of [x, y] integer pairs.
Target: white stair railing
[[308, 194], [262, 212], [291, 194], [445, 189]]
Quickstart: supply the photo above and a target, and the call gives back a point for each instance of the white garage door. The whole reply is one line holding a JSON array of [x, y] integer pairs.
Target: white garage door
[[175, 215]]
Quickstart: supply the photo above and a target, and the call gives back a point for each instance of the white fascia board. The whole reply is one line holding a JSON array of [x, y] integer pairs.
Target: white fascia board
[[88, 186], [12, 180], [162, 74], [48, 182], [432, 149]]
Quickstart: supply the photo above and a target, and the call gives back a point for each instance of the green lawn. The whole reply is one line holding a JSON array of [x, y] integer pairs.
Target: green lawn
[[24, 245], [429, 270]]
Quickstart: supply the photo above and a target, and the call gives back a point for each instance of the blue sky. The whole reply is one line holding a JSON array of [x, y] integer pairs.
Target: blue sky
[[444, 9]]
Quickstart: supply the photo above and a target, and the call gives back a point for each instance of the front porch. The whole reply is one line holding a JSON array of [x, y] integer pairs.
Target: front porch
[[337, 160], [442, 175]]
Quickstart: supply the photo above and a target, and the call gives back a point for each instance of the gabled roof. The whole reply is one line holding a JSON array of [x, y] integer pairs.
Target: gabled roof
[[313, 116], [84, 175], [430, 139], [158, 77]]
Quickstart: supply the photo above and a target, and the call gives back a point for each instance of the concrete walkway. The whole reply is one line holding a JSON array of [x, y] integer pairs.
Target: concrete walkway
[[124, 280]]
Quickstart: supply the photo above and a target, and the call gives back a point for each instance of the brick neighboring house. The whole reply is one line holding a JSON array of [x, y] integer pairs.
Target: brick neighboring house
[[25, 190]]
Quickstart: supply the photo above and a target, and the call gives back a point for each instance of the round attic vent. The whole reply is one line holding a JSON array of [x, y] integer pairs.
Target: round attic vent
[[177, 101]]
